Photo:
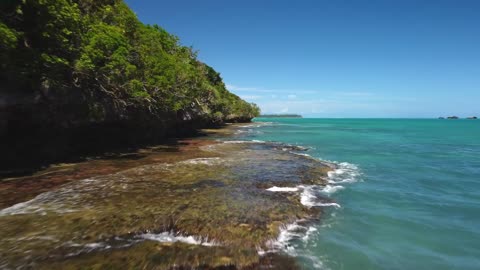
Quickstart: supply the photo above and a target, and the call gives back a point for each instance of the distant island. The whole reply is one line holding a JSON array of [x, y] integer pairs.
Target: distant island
[[281, 116], [456, 117]]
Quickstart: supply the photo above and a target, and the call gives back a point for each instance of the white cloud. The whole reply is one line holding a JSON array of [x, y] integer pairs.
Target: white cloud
[[337, 106], [250, 97], [232, 87], [327, 102]]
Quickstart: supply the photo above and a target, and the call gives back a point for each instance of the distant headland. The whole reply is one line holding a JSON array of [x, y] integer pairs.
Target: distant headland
[[281, 116]]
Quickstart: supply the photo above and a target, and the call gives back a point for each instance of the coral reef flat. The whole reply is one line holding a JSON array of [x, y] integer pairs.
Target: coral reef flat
[[203, 203]]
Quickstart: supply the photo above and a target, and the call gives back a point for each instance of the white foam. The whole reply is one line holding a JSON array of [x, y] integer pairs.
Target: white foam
[[311, 230], [86, 247], [248, 131], [203, 161], [169, 237], [253, 126], [21, 208], [316, 263], [237, 142], [301, 154], [329, 204], [331, 189], [283, 189], [285, 147], [309, 199], [36, 205], [287, 233], [97, 246], [345, 173], [307, 196], [285, 242], [257, 125], [32, 238]]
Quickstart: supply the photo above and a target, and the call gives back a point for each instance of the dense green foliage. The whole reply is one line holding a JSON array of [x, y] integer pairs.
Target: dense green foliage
[[96, 55]]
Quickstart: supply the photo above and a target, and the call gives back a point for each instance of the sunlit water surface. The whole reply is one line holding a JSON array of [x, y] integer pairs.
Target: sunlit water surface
[[413, 201]]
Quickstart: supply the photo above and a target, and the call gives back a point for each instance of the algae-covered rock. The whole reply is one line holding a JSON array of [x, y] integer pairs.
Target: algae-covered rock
[[210, 211]]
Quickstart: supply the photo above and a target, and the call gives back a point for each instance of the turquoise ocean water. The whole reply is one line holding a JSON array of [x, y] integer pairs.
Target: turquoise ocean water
[[409, 192]]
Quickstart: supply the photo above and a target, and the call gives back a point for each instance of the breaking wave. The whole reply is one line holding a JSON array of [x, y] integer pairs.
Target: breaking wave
[[170, 237], [311, 196]]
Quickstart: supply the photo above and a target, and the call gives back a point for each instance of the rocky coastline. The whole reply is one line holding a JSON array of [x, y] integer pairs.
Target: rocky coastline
[[198, 203]]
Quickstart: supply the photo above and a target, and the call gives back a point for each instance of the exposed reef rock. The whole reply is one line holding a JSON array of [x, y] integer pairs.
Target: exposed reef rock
[[213, 210]]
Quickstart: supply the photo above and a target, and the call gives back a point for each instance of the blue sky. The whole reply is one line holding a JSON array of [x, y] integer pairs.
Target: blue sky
[[336, 58]]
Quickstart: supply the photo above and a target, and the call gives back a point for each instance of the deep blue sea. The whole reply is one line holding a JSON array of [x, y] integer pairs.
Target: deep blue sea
[[409, 192]]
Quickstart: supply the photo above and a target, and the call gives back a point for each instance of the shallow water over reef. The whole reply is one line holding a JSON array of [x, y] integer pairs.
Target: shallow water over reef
[[212, 205]]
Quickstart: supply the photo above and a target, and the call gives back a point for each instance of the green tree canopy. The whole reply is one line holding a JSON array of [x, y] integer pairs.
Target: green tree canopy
[[97, 54]]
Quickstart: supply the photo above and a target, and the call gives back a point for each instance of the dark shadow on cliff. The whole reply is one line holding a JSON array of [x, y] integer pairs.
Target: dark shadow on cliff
[[25, 152]]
